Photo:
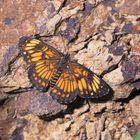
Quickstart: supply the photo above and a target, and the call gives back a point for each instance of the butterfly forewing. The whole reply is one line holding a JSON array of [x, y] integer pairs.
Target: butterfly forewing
[[33, 50], [89, 84]]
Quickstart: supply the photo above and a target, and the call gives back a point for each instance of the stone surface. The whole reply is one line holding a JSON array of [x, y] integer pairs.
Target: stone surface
[[41, 104], [134, 109], [135, 7], [103, 36]]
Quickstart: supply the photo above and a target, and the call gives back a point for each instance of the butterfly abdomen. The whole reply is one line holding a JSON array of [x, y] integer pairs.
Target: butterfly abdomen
[[62, 64], [55, 77]]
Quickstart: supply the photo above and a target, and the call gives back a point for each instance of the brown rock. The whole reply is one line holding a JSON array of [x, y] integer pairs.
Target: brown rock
[[106, 135], [98, 128], [115, 79], [102, 35], [42, 104], [67, 125], [90, 23], [82, 110], [97, 108], [135, 7], [134, 109]]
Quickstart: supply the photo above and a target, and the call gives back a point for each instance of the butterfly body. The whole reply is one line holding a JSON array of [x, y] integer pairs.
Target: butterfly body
[[61, 66], [50, 68]]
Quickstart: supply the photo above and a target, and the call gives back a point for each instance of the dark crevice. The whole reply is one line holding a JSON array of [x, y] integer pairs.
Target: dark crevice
[[117, 36], [87, 40], [13, 93], [132, 95], [112, 67], [78, 103], [62, 5], [100, 113], [3, 101], [115, 66], [12, 62], [8, 62], [76, 36], [126, 82], [19, 90], [50, 117], [17, 134], [135, 81]]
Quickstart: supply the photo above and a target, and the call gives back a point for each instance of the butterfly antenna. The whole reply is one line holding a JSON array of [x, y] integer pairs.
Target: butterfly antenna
[[40, 35]]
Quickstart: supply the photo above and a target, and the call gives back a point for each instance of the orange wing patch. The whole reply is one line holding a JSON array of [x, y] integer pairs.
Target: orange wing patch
[[40, 74], [89, 84], [30, 51], [65, 89], [34, 50]]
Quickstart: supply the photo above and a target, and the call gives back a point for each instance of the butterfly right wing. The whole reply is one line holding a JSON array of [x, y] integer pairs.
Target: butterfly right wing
[[89, 84], [78, 80]]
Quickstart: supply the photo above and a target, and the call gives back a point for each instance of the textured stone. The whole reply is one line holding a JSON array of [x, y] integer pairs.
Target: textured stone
[[103, 36], [42, 104], [135, 7], [134, 109]]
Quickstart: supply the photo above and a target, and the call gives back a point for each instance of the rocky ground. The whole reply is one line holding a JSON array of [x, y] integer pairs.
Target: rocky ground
[[103, 35]]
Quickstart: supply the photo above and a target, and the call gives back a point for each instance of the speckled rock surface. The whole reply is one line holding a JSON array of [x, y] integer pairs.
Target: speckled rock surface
[[103, 35]]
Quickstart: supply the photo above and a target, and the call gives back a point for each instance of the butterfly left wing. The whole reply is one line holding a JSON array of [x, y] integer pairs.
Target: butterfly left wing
[[41, 72], [65, 89], [89, 84], [42, 59]]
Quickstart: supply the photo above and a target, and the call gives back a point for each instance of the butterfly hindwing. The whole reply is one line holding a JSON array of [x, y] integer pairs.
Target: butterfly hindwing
[[40, 73], [65, 89], [89, 84]]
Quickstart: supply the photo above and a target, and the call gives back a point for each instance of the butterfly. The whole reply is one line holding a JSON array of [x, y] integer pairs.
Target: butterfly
[[49, 68]]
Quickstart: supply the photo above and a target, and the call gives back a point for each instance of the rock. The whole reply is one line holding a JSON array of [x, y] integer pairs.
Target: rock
[[82, 110], [90, 130], [126, 136], [98, 127], [90, 23], [133, 130], [77, 47], [55, 20], [97, 108], [83, 134], [106, 135], [67, 125], [134, 109], [135, 7], [69, 29], [101, 35], [115, 79], [44, 105]]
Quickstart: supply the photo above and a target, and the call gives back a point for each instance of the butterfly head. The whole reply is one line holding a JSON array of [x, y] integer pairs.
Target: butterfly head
[[67, 56], [64, 60], [22, 40]]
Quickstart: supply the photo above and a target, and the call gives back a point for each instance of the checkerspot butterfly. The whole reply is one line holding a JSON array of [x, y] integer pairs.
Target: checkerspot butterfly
[[49, 68]]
